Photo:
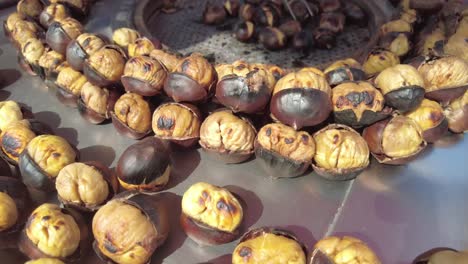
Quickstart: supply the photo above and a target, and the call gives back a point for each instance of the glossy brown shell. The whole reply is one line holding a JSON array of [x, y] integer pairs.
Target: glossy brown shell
[[406, 98], [95, 77], [138, 86], [125, 130], [57, 38], [446, 95], [183, 88]]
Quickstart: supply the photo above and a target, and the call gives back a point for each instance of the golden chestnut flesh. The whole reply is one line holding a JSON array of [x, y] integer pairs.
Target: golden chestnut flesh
[[50, 60], [53, 12], [141, 47], [23, 31], [8, 212], [32, 50], [30, 8], [457, 114], [399, 25], [71, 80], [124, 36], [401, 137], [398, 76], [95, 98], [445, 72], [9, 111], [12, 19], [15, 138], [72, 27], [132, 110], [90, 43], [428, 115], [346, 250], [176, 121], [108, 62], [378, 60]]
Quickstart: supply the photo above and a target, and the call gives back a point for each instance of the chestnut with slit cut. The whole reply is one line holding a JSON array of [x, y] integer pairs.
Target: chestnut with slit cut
[[94, 95], [232, 7], [290, 28], [79, 49], [272, 38], [343, 71], [143, 76], [378, 60], [53, 12], [131, 116], [457, 114], [247, 12], [267, 15], [61, 33], [105, 72]]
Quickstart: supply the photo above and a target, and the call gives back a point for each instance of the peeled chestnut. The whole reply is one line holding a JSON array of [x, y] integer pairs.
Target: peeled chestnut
[[358, 104], [132, 116], [346, 250], [227, 137], [178, 123], [232, 7], [143, 47], [282, 151], [302, 10], [343, 71], [106, 66], [13, 140], [245, 31], [441, 256], [79, 49], [42, 160], [61, 33], [301, 99], [457, 114], [324, 38], [290, 28], [10, 111], [266, 15], [85, 186], [214, 13], [329, 5], [430, 117], [243, 87], [29, 8], [211, 215], [378, 60], [269, 245], [50, 62], [247, 12], [129, 228], [396, 140], [446, 78], [144, 76], [192, 80], [69, 83], [168, 59], [272, 38], [402, 87], [124, 36], [54, 232], [45, 261], [53, 12], [95, 103]]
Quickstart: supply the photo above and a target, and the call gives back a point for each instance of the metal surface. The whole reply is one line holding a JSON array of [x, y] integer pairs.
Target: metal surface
[[399, 210]]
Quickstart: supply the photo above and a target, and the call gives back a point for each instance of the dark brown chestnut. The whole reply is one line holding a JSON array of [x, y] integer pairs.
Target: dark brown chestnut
[[69, 84], [144, 76], [232, 7], [132, 116], [343, 71], [144, 166], [247, 12], [333, 21], [79, 49], [124, 36], [130, 227], [211, 215], [61, 33], [430, 117], [10, 111], [283, 152], [324, 38], [457, 114], [168, 59], [354, 13], [214, 13], [30, 8], [105, 67], [95, 104], [290, 28], [272, 38], [345, 249], [303, 41], [329, 5], [143, 47], [378, 60], [53, 12], [302, 10], [266, 15], [245, 31]]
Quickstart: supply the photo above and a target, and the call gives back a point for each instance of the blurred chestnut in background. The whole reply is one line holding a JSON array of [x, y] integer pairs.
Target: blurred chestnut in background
[[354, 13], [132, 116], [396, 42], [457, 114], [303, 41], [344, 250], [81, 48], [106, 66], [290, 28], [247, 12], [95, 104], [61, 33], [272, 38], [430, 117], [144, 76], [266, 15], [45, 261], [214, 13], [245, 31], [124, 36], [53, 12], [378, 60], [329, 5], [324, 38], [232, 7], [333, 21]]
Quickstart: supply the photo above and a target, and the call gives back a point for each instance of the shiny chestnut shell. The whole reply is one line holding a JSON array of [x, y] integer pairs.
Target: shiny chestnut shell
[[214, 13], [245, 31], [76, 53], [52, 13], [57, 38]]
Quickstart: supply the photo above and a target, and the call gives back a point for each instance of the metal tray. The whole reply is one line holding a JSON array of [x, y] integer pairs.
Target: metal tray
[[400, 211]]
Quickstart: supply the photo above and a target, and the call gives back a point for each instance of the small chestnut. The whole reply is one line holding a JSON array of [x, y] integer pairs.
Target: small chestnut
[[95, 103], [354, 13], [245, 31], [53, 12], [10, 111], [266, 15], [430, 117], [457, 114], [344, 250], [105, 66], [396, 42], [378, 60], [232, 7], [399, 25], [124, 36], [168, 59], [50, 62], [61, 33], [30, 8], [211, 215], [132, 116], [143, 47], [333, 21], [69, 83], [79, 49], [214, 13], [247, 12], [144, 76], [272, 38], [343, 71]]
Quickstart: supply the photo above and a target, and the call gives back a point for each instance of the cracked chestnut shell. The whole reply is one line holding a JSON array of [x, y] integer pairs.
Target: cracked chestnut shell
[[85, 186], [192, 80], [50, 62], [132, 116], [343, 71], [53, 12], [95, 103], [168, 59], [106, 66], [145, 166], [10, 23], [430, 117], [10, 111], [340, 153], [69, 83], [214, 13], [442, 255], [329, 5], [269, 245], [61, 33], [446, 78], [42, 160], [144, 76], [354, 14], [272, 38], [30, 8], [228, 137], [282, 151], [79, 49], [143, 47], [290, 28], [301, 99], [277, 71], [13, 140], [333, 21], [344, 250], [402, 87], [378, 60], [124, 36], [396, 140], [178, 123], [55, 232], [457, 114], [211, 215], [243, 87], [130, 227]]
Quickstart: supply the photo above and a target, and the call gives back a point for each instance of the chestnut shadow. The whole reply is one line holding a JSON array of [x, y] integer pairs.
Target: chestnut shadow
[[26, 110], [68, 133], [183, 164], [8, 77], [4, 95], [52, 119], [224, 259], [103, 154], [251, 205], [176, 236], [303, 235]]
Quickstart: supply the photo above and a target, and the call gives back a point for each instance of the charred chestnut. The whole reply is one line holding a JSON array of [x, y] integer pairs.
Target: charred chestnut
[[266, 15], [344, 250], [45, 261], [395, 141], [29, 8], [10, 112], [324, 38], [85, 186], [42, 160], [192, 80], [402, 87], [125, 36], [105, 66], [144, 76], [168, 59], [283, 247], [457, 114], [228, 137], [69, 83], [95, 103], [129, 228], [50, 62], [243, 87], [214, 13], [13, 140], [53, 12], [232, 7], [314, 105], [245, 31], [81, 48], [178, 123], [247, 12], [211, 215], [272, 38], [61, 33], [343, 71], [378, 60], [284, 152], [430, 117], [290, 28], [143, 47]]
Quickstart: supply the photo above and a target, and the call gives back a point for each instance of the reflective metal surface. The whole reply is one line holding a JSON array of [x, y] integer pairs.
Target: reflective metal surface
[[400, 211]]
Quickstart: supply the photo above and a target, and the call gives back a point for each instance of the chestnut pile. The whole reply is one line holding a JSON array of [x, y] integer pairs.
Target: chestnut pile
[[275, 23]]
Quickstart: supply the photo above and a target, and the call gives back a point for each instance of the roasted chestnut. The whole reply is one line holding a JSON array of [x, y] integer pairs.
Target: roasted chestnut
[[29, 8], [69, 83], [95, 103], [192, 79], [245, 31], [324, 38], [269, 245], [329, 5], [266, 15], [333, 21], [144, 76], [129, 228], [61, 33], [178, 123], [243, 87], [13, 140], [105, 66], [396, 140], [42, 160], [282, 151], [143, 47], [402, 87], [53, 12], [132, 116], [343, 71], [277, 71], [85, 186], [358, 104], [79, 8], [211, 215], [272, 38], [301, 10], [396, 42], [344, 250], [45, 261], [54, 232], [10, 111], [446, 78], [457, 114], [168, 59], [232, 7], [81, 48], [50, 62], [354, 13], [32, 51], [247, 12], [441, 256], [430, 117], [214, 13], [10, 22], [378, 60], [429, 44], [227, 137], [290, 28], [301, 99], [124, 36], [22, 32]]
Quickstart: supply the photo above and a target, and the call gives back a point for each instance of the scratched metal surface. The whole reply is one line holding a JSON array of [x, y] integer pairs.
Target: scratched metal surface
[[399, 211]]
